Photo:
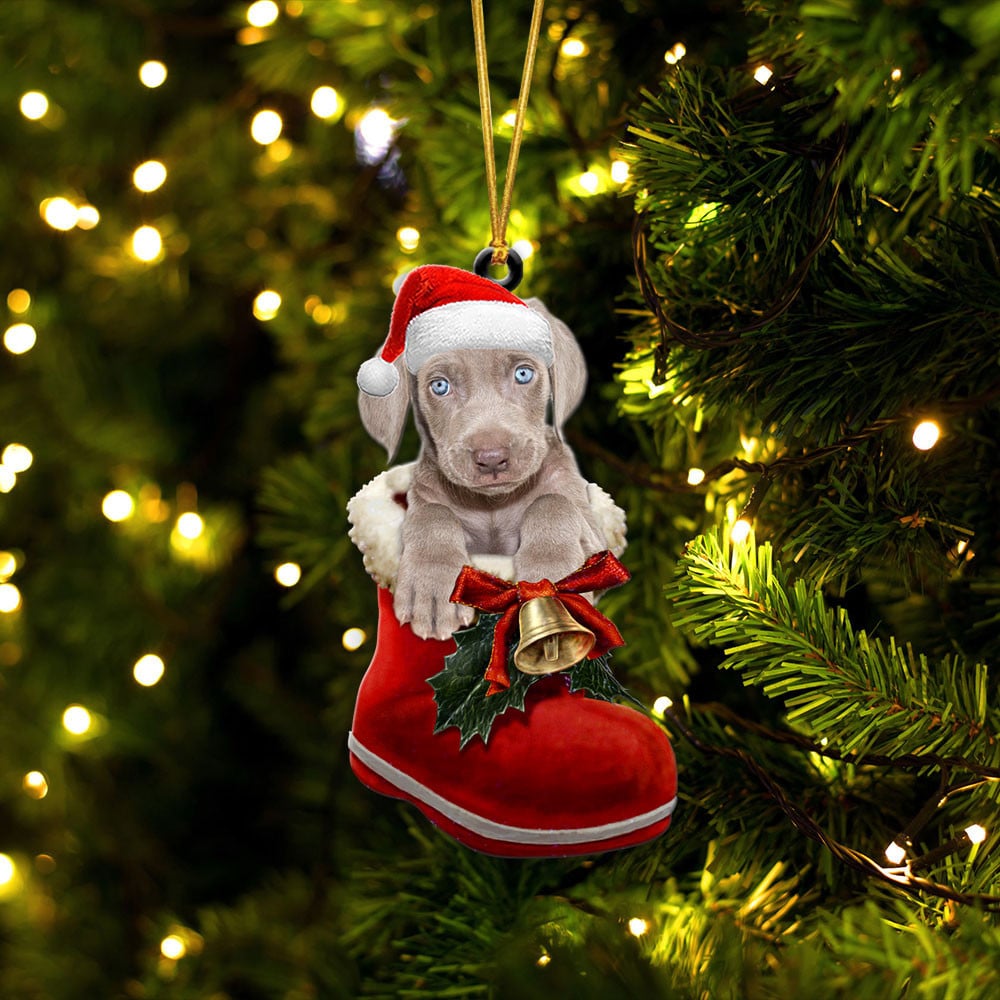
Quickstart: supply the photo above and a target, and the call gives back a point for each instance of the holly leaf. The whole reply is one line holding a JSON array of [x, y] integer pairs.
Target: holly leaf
[[595, 677], [460, 688]]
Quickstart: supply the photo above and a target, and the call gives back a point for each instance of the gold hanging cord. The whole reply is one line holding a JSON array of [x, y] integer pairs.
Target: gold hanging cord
[[500, 213]]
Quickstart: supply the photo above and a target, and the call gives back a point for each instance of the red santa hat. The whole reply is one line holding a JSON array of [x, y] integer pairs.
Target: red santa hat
[[442, 308]]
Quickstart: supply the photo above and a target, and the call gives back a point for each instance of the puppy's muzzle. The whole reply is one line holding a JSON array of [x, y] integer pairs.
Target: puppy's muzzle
[[491, 461]]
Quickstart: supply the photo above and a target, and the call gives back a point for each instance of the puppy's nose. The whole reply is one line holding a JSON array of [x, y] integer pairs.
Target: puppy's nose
[[491, 460]]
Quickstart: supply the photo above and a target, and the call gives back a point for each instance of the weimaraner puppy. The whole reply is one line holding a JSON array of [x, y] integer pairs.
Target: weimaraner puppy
[[493, 476]]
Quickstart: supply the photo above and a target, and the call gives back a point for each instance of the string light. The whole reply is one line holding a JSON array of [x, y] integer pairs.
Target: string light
[[19, 338], [972, 835], [262, 13], [353, 638], [740, 530], [637, 927], [326, 103], [118, 506], [147, 244], [10, 598], [77, 720], [8, 565], [662, 705], [674, 55], [266, 304], [543, 960], [266, 126], [60, 213], [926, 435], [87, 217], [149, 176], [17, 458], [409, 238], [762, 74], [34, 105], [695, 476], [7, 869], [895, 853], [589, 181], [18, 300], [8, 479], [288, 574], [35, 784], [374, 134], [152, 73], [173, 947], [190, 525], [148, 670], [619, 171], [896, 74], [573, 48]]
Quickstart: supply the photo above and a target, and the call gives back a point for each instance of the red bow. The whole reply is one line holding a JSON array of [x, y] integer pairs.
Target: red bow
[[493, 595]]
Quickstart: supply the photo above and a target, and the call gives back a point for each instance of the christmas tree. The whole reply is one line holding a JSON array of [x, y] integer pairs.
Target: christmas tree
[[784, 216]]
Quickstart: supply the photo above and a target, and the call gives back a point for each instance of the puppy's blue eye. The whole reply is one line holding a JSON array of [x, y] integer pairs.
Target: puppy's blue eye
[[440, 387], [523, 374]]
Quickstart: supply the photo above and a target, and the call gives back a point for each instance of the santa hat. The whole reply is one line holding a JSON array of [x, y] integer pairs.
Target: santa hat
[[442, 308]]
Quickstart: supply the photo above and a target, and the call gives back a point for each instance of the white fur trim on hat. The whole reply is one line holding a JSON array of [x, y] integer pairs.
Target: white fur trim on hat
[[376, 519], [377, 377], [476, 324]]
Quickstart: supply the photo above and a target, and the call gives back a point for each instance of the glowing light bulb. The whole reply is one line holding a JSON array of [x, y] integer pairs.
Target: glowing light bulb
[[573, 48], [147, 244], [353, 638], [19, 338], [148, 670], [619, 171], [895, 854], [59, 213], [118, 506], [589, 181], [762, 74], [508, 118], [18, 300], [374, 134], [675, 54], [16, 457], [8, 479], [288, 574], [10, 598], [266, 126], [896, 74], [152, 73], [740, 530], [8, 565], [34, 105], [543, 960], [695, 476], [150, 175], [87, 217], [262, 13], [35, 784], [409, 238], [975, 833], [637, 927], [173, 947], [661, 706], [77, 720], [326, 102], [926, 435], [190, 525], [7, 869], [266, 304]]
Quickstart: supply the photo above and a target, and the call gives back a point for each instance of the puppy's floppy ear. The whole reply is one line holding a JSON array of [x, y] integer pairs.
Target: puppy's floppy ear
[[384, 417], [569, 367]]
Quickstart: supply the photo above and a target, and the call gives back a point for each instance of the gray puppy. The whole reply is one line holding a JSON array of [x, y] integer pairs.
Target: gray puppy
[[493, 475]]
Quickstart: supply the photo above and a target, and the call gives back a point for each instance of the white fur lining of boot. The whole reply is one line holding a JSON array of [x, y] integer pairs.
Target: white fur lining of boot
[[376, 518]]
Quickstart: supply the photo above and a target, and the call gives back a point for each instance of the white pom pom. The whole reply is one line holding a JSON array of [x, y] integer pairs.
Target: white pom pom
[[376, 377]]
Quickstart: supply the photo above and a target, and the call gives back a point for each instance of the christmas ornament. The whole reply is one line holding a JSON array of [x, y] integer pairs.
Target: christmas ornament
[[503, 729]]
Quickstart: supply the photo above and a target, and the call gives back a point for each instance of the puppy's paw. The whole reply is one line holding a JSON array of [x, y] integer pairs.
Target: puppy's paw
[[422, 601]]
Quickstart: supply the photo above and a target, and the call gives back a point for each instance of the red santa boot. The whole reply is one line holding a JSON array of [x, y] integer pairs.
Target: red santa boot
[[568, 775]]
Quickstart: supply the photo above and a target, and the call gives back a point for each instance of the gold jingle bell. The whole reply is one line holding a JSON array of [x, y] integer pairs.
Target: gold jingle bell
[[551, 638]]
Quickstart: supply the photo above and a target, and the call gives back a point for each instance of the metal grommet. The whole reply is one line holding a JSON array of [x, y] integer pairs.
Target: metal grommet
[[515, 268]]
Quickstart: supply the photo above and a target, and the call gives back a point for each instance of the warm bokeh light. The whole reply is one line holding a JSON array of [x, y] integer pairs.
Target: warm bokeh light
[[266, 304], [60, 213], [152, 73], [18, 300], [619, 171], [975, 833], [118, 506], [148, 670], [16, 457], [661, 705], [408, 237], [637, 927], [35, 784], [573, 48], [8, 479], [190, 525], [87, 217], [150, 175], [288, 574], [926, 435], [894, 853], [266, 126], [374, 134], [8, 565], [7, 869], [19, 338], [695, 476], [353, 638], [762, 74], [589, 181], [147, 244], [740, 530], [77, 720], [34, 105], [10, 598], [326, 102], [262, 13], [173, 947]]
